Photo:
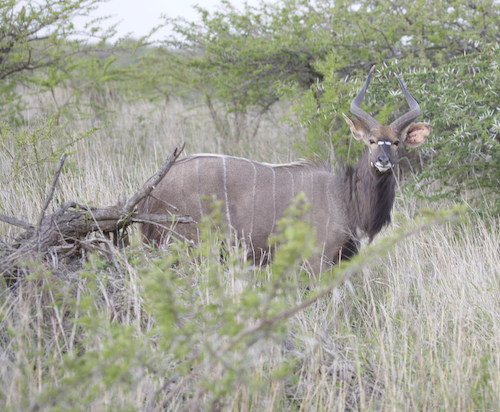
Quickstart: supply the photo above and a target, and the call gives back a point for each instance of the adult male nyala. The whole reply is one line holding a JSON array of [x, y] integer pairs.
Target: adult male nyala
[[254, 195]]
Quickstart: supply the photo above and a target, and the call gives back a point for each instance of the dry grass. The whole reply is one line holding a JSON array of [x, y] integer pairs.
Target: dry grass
[[418, 331]]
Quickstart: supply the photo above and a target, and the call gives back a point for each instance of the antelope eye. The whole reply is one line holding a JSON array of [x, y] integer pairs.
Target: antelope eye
[[396, 143], [372, 141]]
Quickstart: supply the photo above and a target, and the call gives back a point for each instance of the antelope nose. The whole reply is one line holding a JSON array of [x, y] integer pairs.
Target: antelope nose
[[383, 159]]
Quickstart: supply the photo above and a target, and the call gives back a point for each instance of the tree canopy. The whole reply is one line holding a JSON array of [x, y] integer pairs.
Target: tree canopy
[[318, 53], [315, 54]]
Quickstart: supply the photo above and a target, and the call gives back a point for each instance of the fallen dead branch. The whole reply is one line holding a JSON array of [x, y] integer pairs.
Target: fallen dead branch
[[67, 231]]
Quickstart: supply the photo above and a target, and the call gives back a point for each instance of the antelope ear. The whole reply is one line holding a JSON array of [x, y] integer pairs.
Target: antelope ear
[[416, 134], [358, 131]]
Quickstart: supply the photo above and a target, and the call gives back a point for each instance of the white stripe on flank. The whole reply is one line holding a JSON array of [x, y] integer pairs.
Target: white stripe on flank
[[228, 216], [182, 190], [329, 211], [199, 187], [254, 188], [293, 184], [311, 200], [274, 199], [302, 184]]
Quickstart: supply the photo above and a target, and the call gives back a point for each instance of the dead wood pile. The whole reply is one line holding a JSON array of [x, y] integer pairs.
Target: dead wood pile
[[75, 228]]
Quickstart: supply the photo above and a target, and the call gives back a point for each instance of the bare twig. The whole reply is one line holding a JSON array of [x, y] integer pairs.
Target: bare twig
[[67, 229], [52, 189], [153, 180], [160, 219], [72, 205], [15, 222]]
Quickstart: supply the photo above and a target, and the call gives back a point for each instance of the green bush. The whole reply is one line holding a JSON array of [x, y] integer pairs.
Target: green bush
[[459, 99]]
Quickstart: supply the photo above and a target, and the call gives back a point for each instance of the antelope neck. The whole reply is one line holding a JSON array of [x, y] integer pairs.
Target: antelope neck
[[371, 197]]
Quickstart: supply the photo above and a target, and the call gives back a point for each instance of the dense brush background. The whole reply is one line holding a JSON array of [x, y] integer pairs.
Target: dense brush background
[[412, 324]]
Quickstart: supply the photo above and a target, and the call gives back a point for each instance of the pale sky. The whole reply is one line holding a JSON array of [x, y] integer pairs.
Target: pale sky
[[139, 16]]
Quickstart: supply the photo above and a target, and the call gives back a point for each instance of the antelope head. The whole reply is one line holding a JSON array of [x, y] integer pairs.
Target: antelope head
[[383, 141]]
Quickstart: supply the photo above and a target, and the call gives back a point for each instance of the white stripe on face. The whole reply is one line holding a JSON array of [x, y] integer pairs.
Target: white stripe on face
[[382, 142]]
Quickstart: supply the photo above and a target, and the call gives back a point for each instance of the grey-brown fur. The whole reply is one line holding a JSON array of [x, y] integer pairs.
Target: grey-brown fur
[[254, 195], [252, 202]]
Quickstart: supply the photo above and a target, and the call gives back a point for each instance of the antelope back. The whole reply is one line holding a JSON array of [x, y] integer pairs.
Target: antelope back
[[253, 195]]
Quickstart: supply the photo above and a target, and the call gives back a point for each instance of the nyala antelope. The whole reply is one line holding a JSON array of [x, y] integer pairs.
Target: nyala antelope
[[254, 195]]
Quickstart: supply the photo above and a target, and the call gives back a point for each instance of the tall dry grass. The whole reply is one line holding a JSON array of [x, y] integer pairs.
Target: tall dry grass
[[416, 330], [133, 139]]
